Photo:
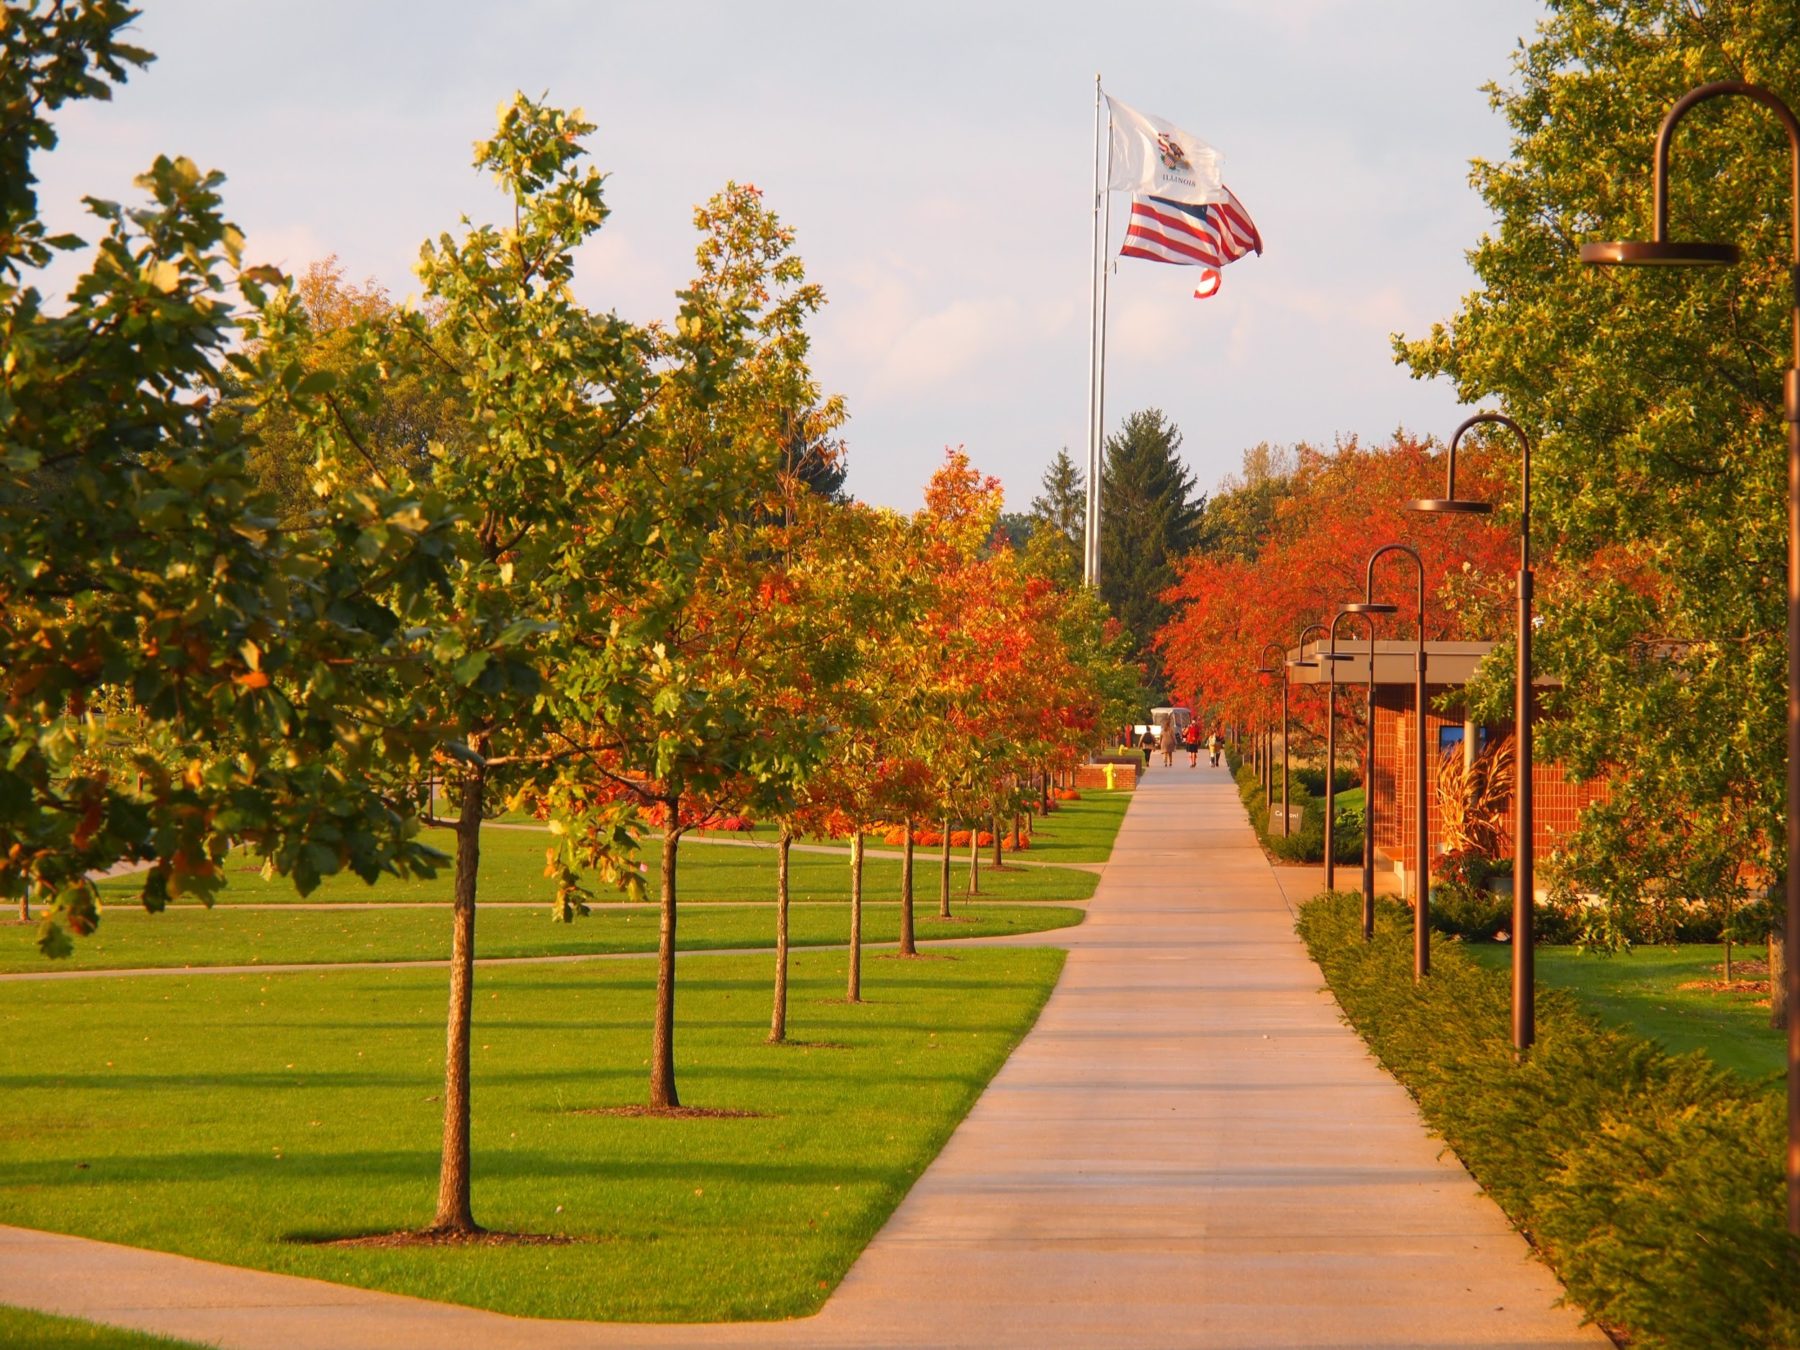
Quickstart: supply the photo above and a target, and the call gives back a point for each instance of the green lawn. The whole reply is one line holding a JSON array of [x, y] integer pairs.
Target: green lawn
[[231, 1117], [1076, 832], [1640, 990], [22, 1327], [512, 870], [188, 935]]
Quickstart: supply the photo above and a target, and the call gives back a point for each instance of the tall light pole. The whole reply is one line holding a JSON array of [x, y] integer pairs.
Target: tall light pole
[[1302, 661], [1269, 751], [1422, 842], [1331, 659], [1661, 251], [1524, 955]]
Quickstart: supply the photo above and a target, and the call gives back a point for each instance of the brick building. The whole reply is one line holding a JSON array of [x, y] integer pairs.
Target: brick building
[[1557, 802]]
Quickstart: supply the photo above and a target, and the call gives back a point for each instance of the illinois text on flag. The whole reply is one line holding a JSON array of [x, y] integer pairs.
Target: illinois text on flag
[[1206, 236], [1153, 156]]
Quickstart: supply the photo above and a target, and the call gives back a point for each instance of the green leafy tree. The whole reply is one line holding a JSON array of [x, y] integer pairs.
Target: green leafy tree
[[398, 430], [1150, 519], [179, 673], [1241, 514], [586, 496], [692, 735], [1654, 397]]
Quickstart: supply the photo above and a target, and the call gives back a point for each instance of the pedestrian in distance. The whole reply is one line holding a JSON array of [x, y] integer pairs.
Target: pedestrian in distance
[[1166, 738], [1214, 744], [1193, 745]]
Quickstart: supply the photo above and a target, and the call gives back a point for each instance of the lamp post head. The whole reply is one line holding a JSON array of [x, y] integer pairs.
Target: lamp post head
[[1450, 506], [1658, 253], [1264, 670], [1368, 607], [1304, 662], [1338, 656]]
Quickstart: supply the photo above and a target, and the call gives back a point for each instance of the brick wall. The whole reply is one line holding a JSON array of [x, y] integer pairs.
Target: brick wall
[[1557, 803], [1093, 776]]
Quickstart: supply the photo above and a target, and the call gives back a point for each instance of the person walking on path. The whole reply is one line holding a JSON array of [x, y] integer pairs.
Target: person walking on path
[[1193, 745], [1166, 736], [1213, 745]]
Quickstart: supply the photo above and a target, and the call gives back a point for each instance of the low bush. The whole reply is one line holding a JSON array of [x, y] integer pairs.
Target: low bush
[[1652, 1182], [1307, 843], [1462, 904], [1311, 781]]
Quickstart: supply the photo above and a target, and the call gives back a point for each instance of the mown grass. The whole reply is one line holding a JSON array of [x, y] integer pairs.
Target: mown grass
[[1640, 990], [188, 935], [22, 1327], [235, 1117], [512, 871], [1076, 832]]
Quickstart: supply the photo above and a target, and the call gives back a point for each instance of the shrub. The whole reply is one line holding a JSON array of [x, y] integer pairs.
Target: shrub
[[1311, 781], [1307, 843], [1462, 904], [1652, 1182]]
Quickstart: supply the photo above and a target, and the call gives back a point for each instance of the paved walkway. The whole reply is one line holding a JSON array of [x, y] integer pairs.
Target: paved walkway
[[1189, 1149]]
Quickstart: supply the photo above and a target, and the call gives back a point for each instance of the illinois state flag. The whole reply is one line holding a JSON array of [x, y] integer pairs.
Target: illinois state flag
[[1206, 236], [1155, 157]]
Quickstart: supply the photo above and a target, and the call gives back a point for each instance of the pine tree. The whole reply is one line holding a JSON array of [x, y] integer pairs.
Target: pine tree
[[820, 461], [1150, 518], [1064, 503]]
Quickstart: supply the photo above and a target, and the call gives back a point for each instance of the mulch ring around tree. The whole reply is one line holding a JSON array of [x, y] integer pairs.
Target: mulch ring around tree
[[1750, 968], [668, 1112], [437, 1237]]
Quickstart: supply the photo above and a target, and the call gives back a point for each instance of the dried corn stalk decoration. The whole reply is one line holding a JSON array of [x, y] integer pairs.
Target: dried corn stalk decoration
[[1475, 798]]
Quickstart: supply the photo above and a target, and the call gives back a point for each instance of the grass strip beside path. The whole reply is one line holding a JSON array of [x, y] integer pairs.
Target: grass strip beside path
[[1653, 1183], [512, 870], [223, 1116], [41, 1331], [234, 936], [1642, 990]]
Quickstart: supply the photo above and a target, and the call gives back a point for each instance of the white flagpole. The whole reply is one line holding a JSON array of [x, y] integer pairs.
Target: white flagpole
[[1089, 531], [1100, 366]]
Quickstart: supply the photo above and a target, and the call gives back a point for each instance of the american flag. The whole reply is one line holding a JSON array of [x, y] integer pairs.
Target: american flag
[[1196, 236]]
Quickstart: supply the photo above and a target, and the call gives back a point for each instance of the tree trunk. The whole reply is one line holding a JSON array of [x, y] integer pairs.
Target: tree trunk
[[1777, 978], [994, 829], [1046, 793], [662, 1040], [454, 1212], [853, 992], [1726, 935], [908, 947], [25, 906], [778, 1018], [1018, 830], [944, 875], [975, 856]]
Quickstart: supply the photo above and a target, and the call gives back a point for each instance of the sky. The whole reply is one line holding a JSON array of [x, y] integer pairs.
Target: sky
[[936, 162]]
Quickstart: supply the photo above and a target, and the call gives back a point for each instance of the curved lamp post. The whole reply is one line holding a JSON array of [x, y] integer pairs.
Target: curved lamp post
[[1331, 659], [1524, 990], [1422, 843], [1304, 662], [1269, 751], [1660, 250]]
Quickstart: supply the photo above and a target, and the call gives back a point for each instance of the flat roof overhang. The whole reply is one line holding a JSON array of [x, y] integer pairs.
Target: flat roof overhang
[[1446, 663]]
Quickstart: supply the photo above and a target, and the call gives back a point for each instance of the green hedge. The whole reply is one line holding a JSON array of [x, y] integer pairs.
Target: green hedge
[[1307, 843], [1652, 1182]]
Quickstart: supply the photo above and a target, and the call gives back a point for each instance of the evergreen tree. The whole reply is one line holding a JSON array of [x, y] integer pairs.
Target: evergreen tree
[[1150, 518], [820, 461], [1064, 503]]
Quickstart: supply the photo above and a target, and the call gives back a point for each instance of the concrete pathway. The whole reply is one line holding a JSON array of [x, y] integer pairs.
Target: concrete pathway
[[1190, 1149]]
